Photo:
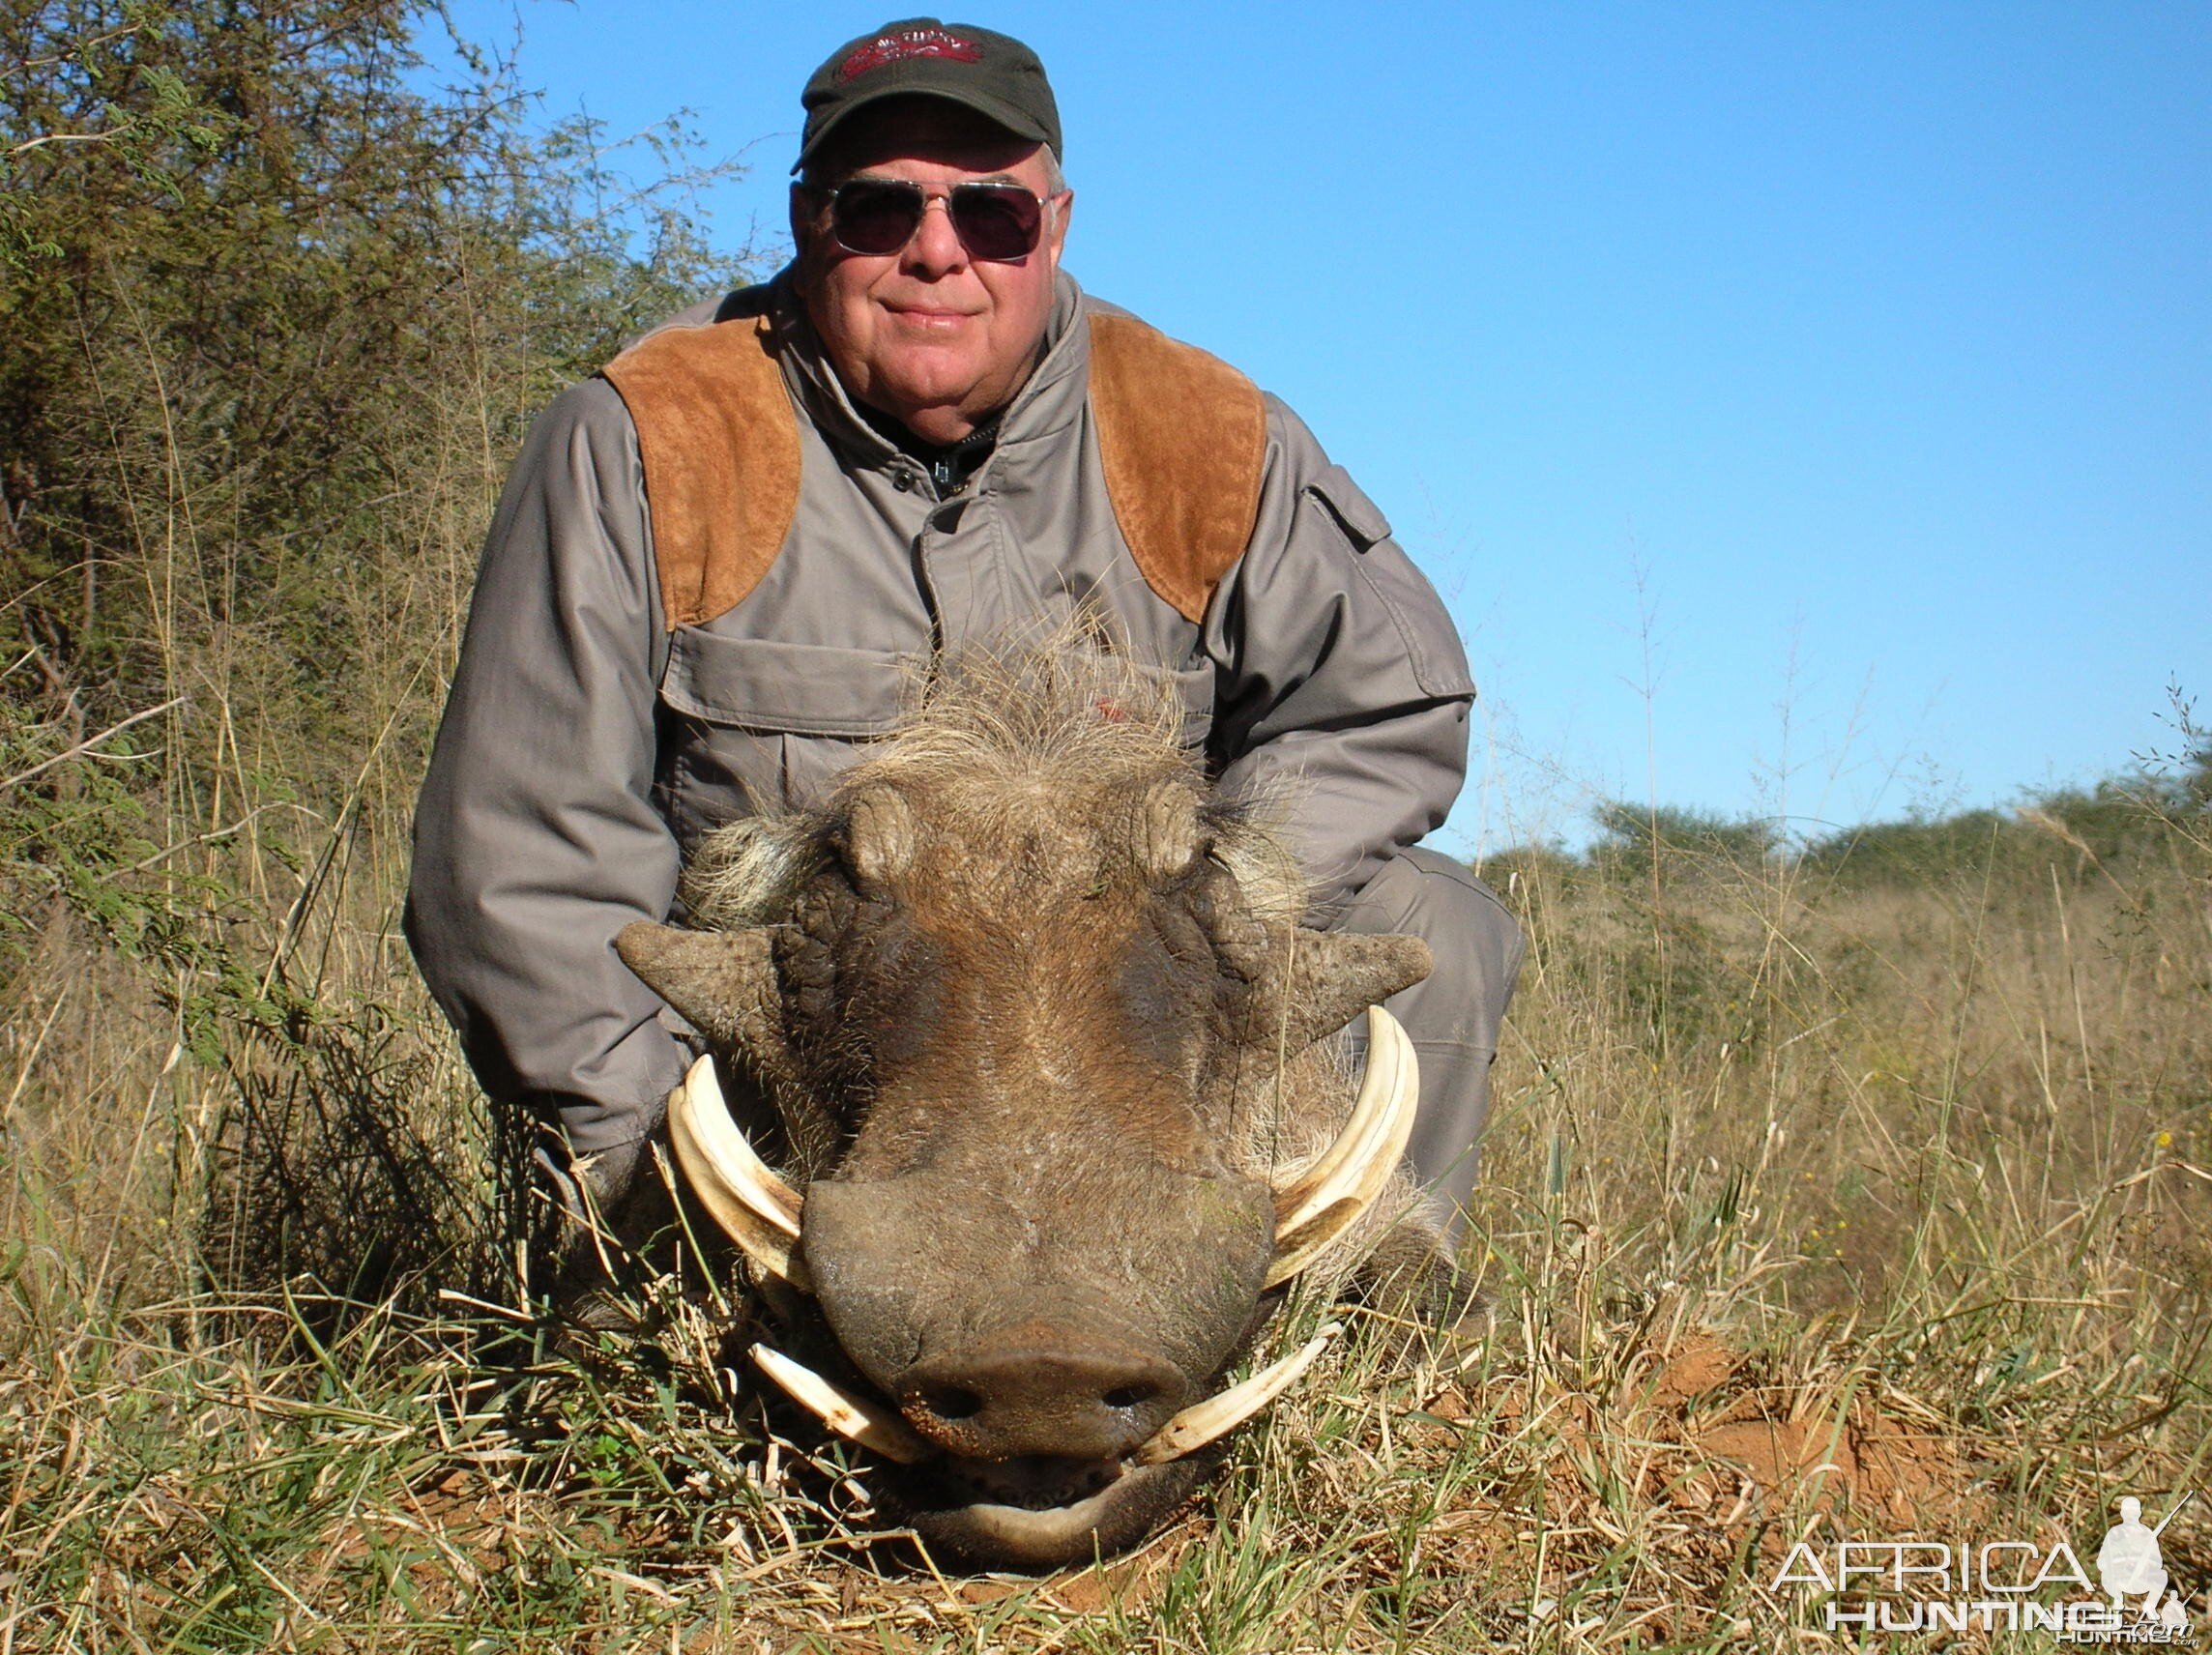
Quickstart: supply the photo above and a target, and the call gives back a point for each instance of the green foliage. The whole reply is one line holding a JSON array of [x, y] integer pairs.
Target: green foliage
[[1629, 833], [82, 91], [245, 258], [2074, 833], [256, 282], [2087, 833], [278, 313]]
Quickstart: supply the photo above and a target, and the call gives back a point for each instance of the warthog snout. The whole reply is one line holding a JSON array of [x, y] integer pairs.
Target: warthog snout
[[1043, 1387], [1075, 1327]]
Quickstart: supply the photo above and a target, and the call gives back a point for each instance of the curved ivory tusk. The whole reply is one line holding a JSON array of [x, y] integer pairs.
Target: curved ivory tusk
[[1217, 1416], [1324, 1201], [757, 1209], [1388, 1049], [867, 1423]]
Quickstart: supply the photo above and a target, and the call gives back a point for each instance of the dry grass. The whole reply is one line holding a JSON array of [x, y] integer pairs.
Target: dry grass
[[1816, 1203], [1809, 1209]]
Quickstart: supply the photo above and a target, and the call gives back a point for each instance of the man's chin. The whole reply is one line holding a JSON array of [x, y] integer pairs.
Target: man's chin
[[928, 398]]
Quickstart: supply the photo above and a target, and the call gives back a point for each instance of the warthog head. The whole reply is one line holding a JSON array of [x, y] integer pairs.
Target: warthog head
[[1038, 1027]]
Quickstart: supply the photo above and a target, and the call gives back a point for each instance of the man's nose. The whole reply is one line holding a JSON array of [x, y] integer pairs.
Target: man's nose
[[933, 249]]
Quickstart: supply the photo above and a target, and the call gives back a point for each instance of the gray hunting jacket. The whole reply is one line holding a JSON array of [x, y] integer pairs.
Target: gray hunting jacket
[[585, 746]]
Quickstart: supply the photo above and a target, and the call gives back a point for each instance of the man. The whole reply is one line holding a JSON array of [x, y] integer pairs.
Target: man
[[713, 563]]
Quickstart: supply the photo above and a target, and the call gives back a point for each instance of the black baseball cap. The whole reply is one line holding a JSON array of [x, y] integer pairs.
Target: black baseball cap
[[992, 74]]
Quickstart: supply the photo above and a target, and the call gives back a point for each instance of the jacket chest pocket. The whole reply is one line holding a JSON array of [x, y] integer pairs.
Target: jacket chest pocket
[[1193, 686], [752, 725]]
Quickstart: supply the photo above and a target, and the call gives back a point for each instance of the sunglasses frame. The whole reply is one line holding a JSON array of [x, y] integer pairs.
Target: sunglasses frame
[[973, 189]]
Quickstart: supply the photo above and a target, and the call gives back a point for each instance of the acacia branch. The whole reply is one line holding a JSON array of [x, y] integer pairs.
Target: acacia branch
[[91, 741], [40, 143]]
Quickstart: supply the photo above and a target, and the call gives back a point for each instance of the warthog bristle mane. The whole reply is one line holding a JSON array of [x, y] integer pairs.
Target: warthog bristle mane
[[1059, 713]]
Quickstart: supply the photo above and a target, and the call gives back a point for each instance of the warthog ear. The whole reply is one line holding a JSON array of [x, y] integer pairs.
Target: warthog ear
[[723, 981], [878, 837], [1334, 976], [1167, 837]]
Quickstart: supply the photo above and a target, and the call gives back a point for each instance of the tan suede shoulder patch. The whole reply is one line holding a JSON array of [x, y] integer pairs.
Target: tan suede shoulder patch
[[721, 445], [1183, 438]]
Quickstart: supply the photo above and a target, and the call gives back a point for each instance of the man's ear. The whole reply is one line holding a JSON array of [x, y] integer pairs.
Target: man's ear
[[1061, 214], [803, 211]]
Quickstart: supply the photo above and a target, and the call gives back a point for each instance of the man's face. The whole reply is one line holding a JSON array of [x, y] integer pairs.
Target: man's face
[[930, 334]]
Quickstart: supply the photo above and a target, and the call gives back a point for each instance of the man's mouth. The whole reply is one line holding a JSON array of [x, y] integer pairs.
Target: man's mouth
[[928, 317]]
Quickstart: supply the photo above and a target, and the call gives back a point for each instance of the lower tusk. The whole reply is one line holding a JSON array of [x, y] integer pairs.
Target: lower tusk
[[757, 1209], [855, 1418], [1313, 1213], [1215, 1417]]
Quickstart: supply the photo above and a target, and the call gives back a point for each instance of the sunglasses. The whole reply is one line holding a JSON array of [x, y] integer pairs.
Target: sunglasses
[[999, 222]]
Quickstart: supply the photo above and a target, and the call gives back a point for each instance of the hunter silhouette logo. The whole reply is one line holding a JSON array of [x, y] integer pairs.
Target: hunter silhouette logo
[[1999, 1586], [2131, 1565]]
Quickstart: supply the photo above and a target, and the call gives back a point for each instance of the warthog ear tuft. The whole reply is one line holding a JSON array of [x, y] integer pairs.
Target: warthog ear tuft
[[722, 981], [1334, 976]]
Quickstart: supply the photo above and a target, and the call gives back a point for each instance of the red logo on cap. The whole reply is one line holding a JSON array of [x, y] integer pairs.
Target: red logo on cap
[[908, 43]]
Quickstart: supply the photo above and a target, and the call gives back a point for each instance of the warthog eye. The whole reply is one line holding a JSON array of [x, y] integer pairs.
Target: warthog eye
[[860, 985], [1238, 938]]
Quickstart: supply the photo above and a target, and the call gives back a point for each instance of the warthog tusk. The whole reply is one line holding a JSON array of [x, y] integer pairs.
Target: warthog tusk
[[1217, 1416], [848, 1416], [757, 1209], [1318, 1206]]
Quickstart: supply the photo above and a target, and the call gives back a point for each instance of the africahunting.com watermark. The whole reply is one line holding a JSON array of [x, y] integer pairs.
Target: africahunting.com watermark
[[1999, 1586]]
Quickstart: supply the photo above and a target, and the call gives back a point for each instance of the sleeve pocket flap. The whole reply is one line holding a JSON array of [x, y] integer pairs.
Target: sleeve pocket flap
[[1362, 519]]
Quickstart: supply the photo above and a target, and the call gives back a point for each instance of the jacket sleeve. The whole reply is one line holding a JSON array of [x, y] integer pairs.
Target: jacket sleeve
[[536, 836], [1340, 686]]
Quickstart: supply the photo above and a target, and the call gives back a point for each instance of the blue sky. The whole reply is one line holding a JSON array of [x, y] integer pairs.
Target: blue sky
[[1852, 365]]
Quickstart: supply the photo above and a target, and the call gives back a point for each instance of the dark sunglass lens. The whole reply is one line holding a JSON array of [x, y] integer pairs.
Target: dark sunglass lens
[[875, 217], [996, 221]]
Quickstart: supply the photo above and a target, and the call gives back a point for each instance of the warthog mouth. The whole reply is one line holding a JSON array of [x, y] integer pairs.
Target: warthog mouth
[[1033, 1482], [1039, 1511], [1036, 1514]]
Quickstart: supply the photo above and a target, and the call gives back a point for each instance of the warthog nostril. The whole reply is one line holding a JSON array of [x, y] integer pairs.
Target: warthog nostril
[[952, 1402], [1041, 1388]]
